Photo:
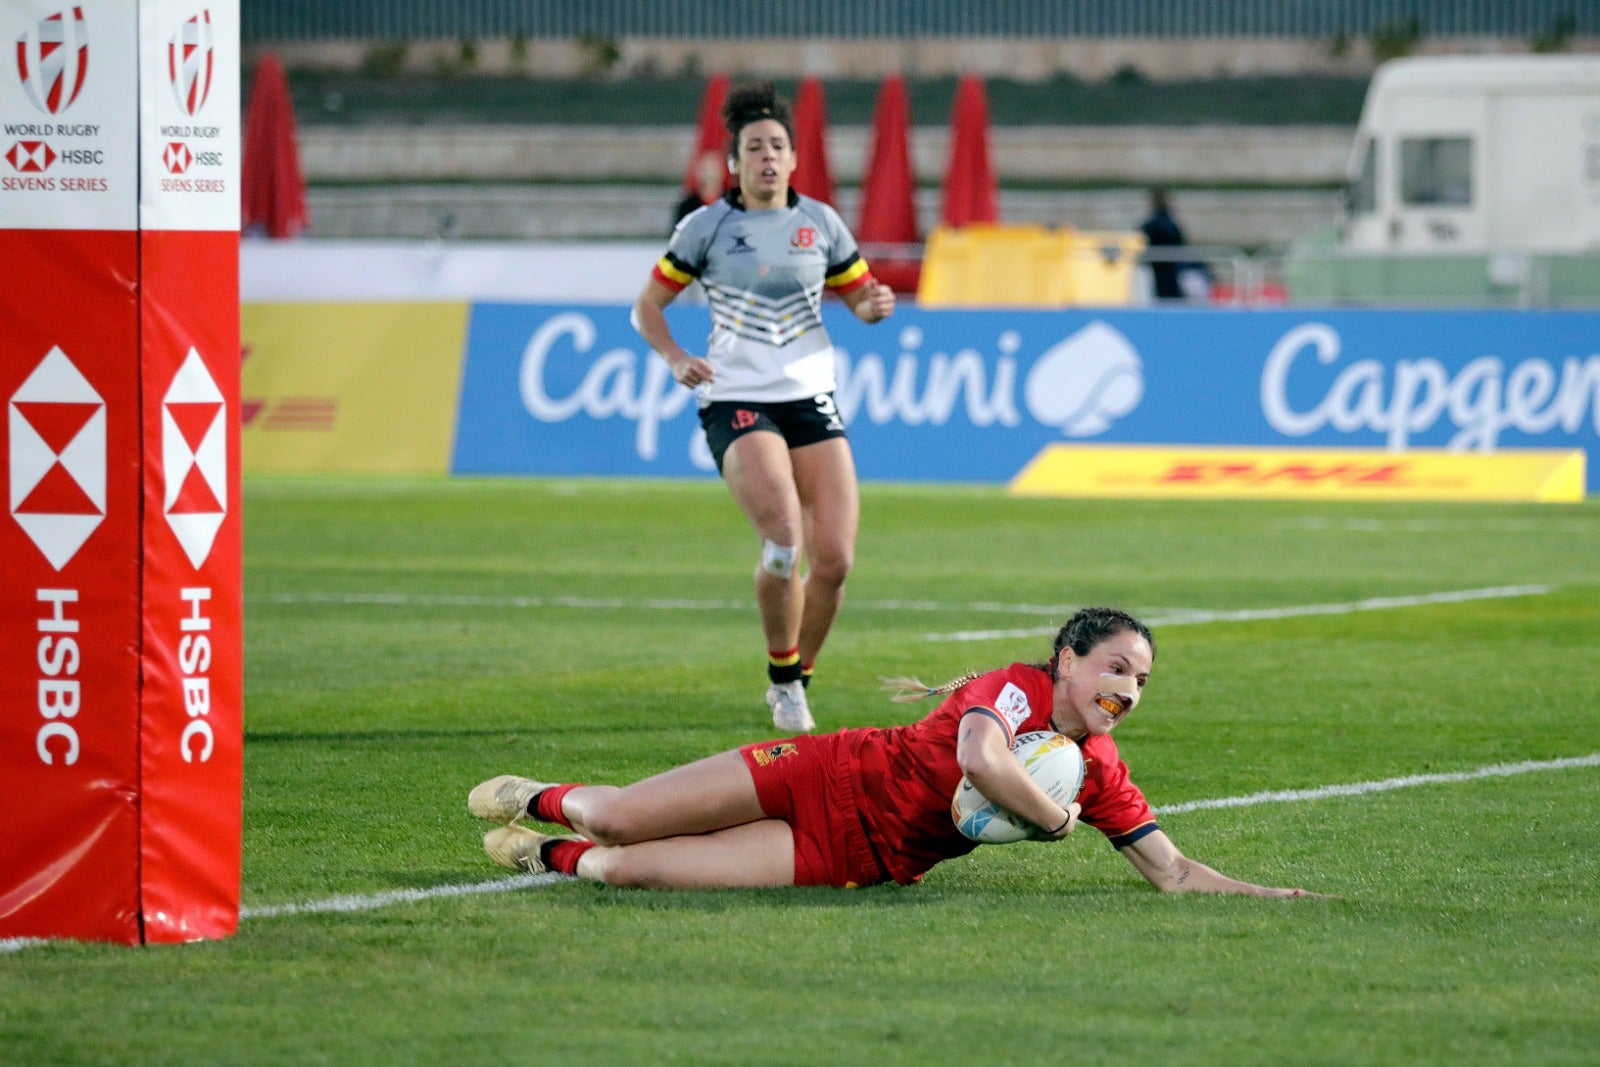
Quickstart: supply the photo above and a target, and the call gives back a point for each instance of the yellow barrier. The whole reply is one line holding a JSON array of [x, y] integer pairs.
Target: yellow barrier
[[1303, 474], [1027, 266], [350, 387]]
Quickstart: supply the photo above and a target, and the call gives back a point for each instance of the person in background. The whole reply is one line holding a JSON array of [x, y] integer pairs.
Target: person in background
[[1161, 230], [764, 255], [864, 806], [708, 171]]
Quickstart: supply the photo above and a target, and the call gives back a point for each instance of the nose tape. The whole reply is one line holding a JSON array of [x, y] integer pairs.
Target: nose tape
[[1119, 685]]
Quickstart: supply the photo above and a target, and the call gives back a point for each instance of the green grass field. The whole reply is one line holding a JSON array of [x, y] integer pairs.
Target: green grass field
[[405, 639]]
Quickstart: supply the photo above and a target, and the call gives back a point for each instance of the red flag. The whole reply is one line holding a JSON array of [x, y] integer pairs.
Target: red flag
[[274, 189], [888, 194], [970, 194], [812, 175], [710, 136]]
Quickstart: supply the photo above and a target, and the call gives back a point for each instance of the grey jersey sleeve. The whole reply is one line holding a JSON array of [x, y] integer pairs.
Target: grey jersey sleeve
[[692, 239]]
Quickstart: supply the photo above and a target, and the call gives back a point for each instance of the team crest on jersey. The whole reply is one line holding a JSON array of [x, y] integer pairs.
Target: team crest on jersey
[[767, 755], [1012, 704]]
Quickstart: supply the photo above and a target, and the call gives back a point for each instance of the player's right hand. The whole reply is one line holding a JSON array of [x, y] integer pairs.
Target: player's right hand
[[691, 371], [1073, 810]]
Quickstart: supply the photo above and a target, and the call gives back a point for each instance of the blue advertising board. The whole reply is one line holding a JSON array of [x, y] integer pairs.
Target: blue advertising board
[[973, 395]]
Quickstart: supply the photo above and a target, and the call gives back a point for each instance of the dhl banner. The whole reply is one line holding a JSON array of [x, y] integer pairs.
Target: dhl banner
[[362, 388], [120, 673], [1302, 474]]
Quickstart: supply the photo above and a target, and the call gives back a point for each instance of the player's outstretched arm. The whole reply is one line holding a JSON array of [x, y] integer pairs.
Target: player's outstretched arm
[[1163, 866]]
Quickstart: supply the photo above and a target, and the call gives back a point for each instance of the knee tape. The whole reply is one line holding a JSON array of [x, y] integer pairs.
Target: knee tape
[[778, 560]]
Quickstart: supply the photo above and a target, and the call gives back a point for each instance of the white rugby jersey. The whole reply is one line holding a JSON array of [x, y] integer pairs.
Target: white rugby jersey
[[763, 273]]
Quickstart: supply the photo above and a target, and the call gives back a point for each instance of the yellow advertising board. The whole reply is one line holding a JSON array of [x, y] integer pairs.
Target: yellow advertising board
[[1302, 474], [366, 388]]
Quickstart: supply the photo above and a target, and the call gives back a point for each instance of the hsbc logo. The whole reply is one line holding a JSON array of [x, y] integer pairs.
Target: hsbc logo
[[31, 157], [194, 458], [53, 60], [176, 157], [191, 53], [58, 458]]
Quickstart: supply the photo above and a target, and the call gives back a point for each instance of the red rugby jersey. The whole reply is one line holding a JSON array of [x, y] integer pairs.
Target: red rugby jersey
[[908, 774]]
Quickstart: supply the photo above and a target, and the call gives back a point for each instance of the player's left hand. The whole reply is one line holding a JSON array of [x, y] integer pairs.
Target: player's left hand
[[878, 305]]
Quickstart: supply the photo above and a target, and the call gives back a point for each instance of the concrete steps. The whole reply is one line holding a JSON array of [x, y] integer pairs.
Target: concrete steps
[[608, 183]]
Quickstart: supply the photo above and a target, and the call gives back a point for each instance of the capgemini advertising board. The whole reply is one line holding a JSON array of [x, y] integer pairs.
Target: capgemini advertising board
[[974, 396]]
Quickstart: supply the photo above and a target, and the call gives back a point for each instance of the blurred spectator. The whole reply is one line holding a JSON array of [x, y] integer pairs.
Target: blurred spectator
[[1161, 230], [708, 186]]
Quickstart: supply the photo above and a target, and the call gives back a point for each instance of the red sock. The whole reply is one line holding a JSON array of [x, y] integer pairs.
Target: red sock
[[547, 805], [562, 856]]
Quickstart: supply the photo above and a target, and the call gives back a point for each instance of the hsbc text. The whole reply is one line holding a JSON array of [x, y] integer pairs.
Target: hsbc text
[[194, 659], [60, 693]]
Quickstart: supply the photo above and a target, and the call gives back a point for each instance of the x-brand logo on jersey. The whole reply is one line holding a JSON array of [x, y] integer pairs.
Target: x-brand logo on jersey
[[53, 60], [190, 55], [741, 243], [58, 458], [176, 157], [194, 458], [31, 157]]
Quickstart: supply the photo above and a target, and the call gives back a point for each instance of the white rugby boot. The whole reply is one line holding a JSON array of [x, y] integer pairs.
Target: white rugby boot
[[790, 712], [518, 848], [504, 799]]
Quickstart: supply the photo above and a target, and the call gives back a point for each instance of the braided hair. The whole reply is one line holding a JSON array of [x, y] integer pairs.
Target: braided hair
[[1086, 629]]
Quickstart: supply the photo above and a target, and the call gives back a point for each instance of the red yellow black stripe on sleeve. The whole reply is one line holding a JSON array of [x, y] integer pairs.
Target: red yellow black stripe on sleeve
[[851, 274], [673, 273]]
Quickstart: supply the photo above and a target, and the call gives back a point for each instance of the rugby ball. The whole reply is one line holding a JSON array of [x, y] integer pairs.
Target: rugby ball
[[1051, 760]]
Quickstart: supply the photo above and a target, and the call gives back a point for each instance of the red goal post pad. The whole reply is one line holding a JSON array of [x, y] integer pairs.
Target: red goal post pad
[[120, 668]]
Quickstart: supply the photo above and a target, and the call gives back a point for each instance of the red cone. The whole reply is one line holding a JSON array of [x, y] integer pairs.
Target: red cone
[[970, 193], [888, 187], [273, 188], [812, 176], [710, 136]]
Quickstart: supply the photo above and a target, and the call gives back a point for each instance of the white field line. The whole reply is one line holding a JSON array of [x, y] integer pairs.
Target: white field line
[[451, 600], [399, 896], [1357, 789], [1368, 525], [1191, 617], [1158, 616], [373, 901]]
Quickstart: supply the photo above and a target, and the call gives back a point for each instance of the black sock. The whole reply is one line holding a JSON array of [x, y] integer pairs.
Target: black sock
[[780, 675]]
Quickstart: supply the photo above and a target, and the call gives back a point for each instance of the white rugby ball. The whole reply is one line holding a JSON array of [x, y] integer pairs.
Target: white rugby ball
[[1051, 760]]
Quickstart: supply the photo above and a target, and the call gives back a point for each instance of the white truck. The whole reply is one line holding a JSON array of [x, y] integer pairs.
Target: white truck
[[1477, 155]]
